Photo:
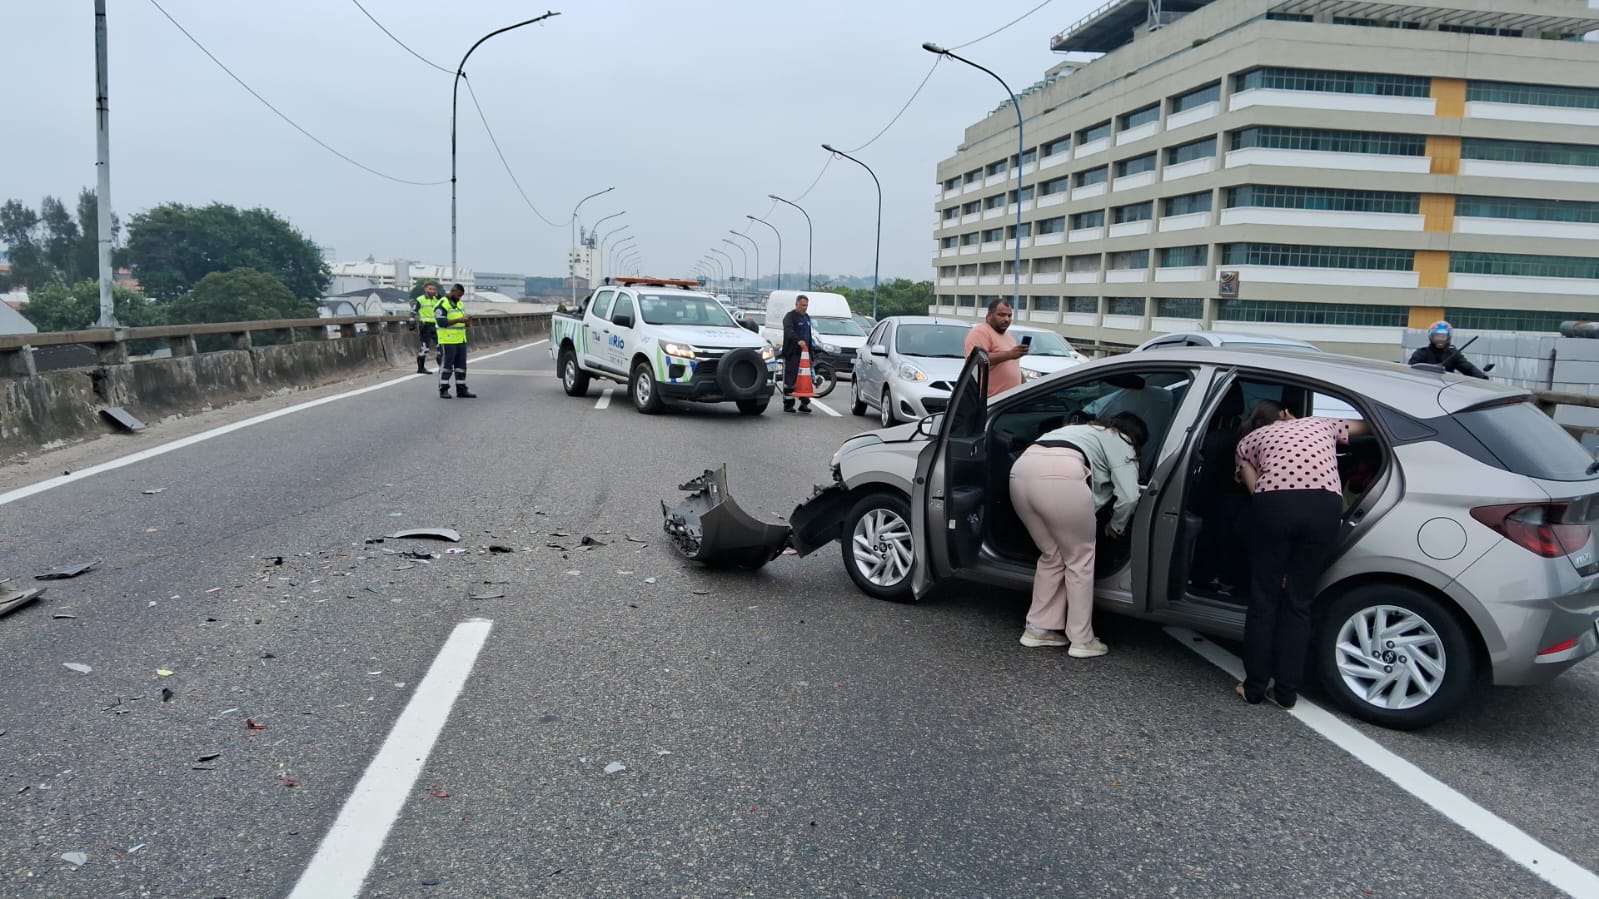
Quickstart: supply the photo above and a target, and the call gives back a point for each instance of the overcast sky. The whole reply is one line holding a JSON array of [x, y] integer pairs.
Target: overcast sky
[[694, 110]]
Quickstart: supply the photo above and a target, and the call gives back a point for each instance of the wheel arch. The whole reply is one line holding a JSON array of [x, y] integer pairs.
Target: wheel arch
[[1479, 644]]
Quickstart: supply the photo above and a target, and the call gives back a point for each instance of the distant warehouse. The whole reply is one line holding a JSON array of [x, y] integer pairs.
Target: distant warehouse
[[1333, 170]]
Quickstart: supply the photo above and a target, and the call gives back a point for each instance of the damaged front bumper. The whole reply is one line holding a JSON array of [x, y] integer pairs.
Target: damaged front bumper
[[708, 526]]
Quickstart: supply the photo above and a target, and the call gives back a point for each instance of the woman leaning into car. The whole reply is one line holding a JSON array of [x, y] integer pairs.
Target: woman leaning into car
[[1057, 487], [1290, 465]]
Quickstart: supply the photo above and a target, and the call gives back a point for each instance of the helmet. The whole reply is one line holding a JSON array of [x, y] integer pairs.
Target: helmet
[[1439, 328]]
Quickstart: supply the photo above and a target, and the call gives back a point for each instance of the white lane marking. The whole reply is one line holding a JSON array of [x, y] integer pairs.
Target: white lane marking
[[12, 496], [824, 407], [604, 400], [351, 845], [1514, 843]]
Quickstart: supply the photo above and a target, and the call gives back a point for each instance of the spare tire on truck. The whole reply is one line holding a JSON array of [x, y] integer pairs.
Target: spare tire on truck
[[741, 374]]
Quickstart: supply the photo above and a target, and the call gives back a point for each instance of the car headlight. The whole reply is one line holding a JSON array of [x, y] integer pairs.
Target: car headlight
[[909, 372], [678, 350], [1032, 374], [767, 353], [829, 348]]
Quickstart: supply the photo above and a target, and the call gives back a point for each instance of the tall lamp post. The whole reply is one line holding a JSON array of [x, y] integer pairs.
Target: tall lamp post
[[729, 257], [745, 256], [616, 248], [877, 257], [779, 247], [632, 258], [455, 97], [810, 238], [718, 263], [574, 239], [1021, 150], [607, 239], [756, 244], [593, 243]]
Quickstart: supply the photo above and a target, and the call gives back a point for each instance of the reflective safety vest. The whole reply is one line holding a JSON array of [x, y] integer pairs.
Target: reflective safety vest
[[451, 319], [426, 307]]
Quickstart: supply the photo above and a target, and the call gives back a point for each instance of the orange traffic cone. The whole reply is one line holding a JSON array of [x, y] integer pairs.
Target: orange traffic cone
[[804, 388]]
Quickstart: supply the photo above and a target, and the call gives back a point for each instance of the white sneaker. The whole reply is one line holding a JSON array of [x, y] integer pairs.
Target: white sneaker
[[1032, 636], [1092, 649]]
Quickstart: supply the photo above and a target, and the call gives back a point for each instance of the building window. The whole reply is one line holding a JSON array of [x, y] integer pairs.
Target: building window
[[952, 183], [1097, 175], [1480, 29], [1511, 319], [970, 239], [1124, 306], [1138, 117], [1048, 265], [950, 243], [1095, 219], [1188, 203], [1135, 165], [1524, 266], [1325, 140], [1046, 304], [1275, 16], [1369, 258], [953, 212], [1056, 186], [1180, 307], [1376, 23], [1199, 149], [992, 234], [1030, 157], [1133, 212], [1027, 231], [1210, 93], [1277, 196], [1088, 262], [1130, 259], [946, 272], [989, 268], [1083, 305], [995, 202], [1528, 209], [995, 168], [1184, 257], [974, 176], [1058, 146], [1528, 151], [1097, 132], [1283, 312], [1533, 94], [971, 208], [1320, 81], [1026, 193], [1052, 226]]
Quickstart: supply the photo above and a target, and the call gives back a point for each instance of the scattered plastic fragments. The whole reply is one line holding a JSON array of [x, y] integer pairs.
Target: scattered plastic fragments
[[427, 534], [253, 724], [632, 539], [438, 792], [166, 695], [61, 574], [615, 768], [12, 598], [574, 573], [154, 490], [591, 541], [122, 418], [209, 757], [501, 548], [75, 859], [288, 781], [485, 596], [163, 672], [455, 551], [77, 666], [649, 580]]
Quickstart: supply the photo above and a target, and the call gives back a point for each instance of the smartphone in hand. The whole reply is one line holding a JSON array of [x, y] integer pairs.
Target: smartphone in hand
[[1027, 340]]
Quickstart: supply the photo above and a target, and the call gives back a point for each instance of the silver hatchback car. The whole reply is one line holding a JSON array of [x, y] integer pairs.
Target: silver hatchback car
[[1468, 548], [907, 367]]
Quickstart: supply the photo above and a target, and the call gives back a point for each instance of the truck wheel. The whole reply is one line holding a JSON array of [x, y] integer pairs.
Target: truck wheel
[[642, 388], [574, 379], [878, 546], [1394, 656], [753, 407]]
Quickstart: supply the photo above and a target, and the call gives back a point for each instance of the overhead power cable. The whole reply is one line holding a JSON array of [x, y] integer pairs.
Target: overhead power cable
[[817, 180], [914, 94], [512, 175], [279, 113], [398, 41], [1003, 27]]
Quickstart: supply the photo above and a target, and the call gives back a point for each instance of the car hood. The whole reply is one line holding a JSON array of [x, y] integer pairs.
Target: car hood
[[937, 369], [842, 341], [1050, 364], [709, 337]]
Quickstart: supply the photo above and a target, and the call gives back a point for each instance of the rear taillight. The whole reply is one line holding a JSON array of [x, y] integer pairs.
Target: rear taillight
[[1539, 527], [1559, 647]]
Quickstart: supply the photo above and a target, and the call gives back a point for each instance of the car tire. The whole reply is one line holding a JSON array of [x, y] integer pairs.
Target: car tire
[[753, 407], [573, 379], [857, 406], [885, 413], [1418, 668], [644, 391], [878, 545], [741, 374]]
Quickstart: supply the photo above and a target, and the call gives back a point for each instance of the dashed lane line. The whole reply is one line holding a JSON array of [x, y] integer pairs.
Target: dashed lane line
[[604, 400], [1514, 843], [350, 848], [12, 496], [825, 408]]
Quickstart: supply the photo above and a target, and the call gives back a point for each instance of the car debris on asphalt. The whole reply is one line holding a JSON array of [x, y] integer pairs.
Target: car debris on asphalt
[[70, 571], [449, 534], [13, 597]]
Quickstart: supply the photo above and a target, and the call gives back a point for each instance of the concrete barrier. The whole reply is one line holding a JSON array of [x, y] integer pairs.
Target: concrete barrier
[[45, 409]]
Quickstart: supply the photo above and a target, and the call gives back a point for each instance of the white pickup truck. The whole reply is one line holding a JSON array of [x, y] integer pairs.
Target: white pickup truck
[[667, 341]]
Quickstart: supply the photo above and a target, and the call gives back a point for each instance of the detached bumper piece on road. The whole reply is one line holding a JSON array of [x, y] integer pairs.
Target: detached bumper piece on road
[[708, 526]]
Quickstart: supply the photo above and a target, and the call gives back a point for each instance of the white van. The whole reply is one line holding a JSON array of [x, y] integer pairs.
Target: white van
[[838, 335]]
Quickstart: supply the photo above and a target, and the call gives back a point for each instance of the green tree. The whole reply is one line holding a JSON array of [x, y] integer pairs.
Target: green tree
[[240, 295], [58, 307], [900, 296], [173, 247], [51, 246]]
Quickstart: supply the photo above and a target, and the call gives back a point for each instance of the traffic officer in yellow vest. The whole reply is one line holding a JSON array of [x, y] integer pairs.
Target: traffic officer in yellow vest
[[452, 323], [422, 319]]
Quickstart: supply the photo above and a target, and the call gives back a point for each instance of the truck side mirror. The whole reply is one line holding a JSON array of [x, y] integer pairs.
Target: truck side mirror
[[623, 320]]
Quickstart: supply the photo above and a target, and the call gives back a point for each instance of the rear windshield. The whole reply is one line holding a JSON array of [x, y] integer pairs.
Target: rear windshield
[[1528, 442]]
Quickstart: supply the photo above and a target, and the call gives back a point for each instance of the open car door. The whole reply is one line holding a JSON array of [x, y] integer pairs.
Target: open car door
[[949, 498]]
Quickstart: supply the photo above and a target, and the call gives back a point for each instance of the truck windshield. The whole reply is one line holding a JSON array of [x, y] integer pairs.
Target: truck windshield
[[665, 309]]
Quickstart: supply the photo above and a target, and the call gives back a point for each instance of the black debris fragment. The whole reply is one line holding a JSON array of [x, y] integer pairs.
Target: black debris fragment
[[70, 571], [122, 418], [166, 695], [501, 548]]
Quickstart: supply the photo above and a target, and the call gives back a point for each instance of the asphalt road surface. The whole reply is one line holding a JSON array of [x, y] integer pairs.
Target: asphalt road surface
[[257, 668]]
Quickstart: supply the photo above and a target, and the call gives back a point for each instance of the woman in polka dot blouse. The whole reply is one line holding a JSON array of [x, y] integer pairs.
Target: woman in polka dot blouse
[[1290, 465]]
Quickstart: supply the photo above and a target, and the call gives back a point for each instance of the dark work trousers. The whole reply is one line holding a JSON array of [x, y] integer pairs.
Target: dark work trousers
[[428, 336], [454, 361], [791, 367], [1295, 532]]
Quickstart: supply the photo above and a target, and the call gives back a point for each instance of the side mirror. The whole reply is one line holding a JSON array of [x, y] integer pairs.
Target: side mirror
[[879, 350], [1488, 368], [623, 321], [928, 427]]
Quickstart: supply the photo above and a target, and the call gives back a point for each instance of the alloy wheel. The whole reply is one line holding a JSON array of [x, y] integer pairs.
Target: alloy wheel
[[1391, 657], [882, 545]]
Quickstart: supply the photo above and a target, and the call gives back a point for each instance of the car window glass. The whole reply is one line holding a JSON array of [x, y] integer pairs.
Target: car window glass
[[878, 334], [932, 341], [1152, 395], [624, 309], [602, 304]]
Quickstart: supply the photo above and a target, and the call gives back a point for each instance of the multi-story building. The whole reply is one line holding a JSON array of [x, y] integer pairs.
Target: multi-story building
[[1336, 170]]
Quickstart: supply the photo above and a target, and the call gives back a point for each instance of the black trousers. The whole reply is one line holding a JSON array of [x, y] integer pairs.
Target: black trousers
[[791, 369], [1295, 533], [454, 360], [428, 336]]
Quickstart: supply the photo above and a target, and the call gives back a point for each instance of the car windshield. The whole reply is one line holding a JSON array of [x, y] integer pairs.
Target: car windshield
[[665, 309], [1528, 442], [843, 327], [932, 341], [1046, 343]]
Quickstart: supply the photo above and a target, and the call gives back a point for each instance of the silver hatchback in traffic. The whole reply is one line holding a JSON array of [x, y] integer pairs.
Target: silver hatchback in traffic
[[907, 367]]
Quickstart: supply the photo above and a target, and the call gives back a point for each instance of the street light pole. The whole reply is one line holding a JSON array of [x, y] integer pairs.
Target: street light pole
[[756, 244], [572, 269], [779, 247], [877, 257], [740, 247], [1021, 150], [593, 243], [616, 248], [720, 276], [102, 165], [606, 239], [455, 98], [729, 257], [810, 238]]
